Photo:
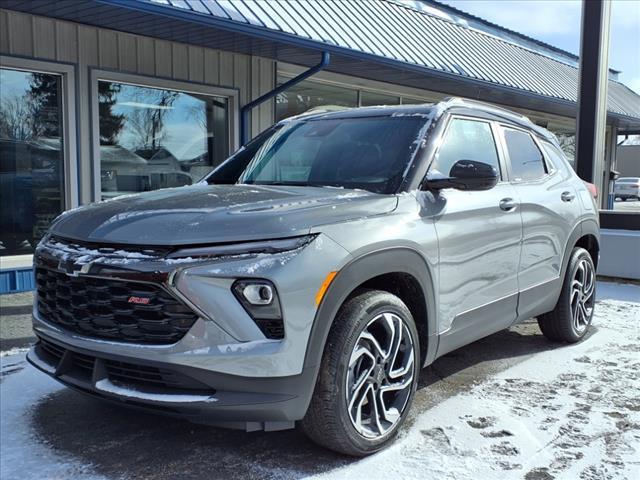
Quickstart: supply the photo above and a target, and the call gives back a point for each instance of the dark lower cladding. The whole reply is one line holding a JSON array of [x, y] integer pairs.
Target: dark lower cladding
[[198, 395]]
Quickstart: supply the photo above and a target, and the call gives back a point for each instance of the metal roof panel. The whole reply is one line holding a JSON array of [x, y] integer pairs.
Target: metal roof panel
[[396, 32]]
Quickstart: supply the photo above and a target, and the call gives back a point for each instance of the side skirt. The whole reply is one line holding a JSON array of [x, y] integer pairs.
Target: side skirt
[[472, 325]]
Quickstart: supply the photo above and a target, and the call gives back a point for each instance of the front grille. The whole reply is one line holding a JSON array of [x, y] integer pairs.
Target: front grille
[[122, 373], [104, 308]]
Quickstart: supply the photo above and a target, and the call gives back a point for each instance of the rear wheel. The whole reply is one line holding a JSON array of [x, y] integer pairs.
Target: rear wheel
[[569, 321], [368, 375]]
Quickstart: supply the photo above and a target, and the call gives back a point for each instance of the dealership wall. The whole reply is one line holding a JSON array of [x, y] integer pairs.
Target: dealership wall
[[628, 160], [86, 47]]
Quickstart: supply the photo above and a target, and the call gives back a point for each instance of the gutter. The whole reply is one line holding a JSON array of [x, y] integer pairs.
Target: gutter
[[246, 109]]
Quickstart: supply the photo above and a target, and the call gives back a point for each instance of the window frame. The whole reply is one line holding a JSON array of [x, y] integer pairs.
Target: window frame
[[503, 174], [549, 167], [70, 186], [97, 75]]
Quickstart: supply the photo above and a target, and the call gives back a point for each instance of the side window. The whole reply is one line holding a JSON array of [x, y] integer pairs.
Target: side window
[[527, 162], [466, 140], [555, 156]]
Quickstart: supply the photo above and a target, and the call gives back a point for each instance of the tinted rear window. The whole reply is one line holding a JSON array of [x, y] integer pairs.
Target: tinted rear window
[[527, 162]]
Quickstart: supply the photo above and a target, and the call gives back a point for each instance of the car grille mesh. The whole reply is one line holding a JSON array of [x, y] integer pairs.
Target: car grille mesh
[[104, 308], [122, 373]]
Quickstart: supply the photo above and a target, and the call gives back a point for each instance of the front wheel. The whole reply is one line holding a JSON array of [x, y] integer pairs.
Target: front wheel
[[569, 321], [368, 375]]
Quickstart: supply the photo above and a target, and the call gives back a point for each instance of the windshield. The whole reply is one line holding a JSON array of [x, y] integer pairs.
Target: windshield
[[370, 153]]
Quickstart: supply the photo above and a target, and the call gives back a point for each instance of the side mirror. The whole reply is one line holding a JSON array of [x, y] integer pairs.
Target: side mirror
[[464, 175]]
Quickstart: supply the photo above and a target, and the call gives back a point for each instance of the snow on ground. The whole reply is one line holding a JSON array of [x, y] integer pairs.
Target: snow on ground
[[570, 413], [567, 413], [22, 454]]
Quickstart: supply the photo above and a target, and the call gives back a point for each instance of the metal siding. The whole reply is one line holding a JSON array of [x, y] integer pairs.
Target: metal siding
[[393, 31], [211, 67], [242, 76], [90, 47], [4, 32], [267, 82], [226, 69], [146, 56], [196, 64], [127, 52], [88, 54], [107, 49], [180, 61], [20, 34], [164, 58], [44, 31]]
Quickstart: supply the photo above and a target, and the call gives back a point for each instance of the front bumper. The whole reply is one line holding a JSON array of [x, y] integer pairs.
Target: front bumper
[[224, 338], [198, 395]]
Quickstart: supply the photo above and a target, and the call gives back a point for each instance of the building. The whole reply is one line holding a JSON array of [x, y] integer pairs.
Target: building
[[105, 97]]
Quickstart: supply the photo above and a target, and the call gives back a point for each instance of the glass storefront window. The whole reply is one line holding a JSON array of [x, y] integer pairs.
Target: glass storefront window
[[154, 138], [307, 95], [371, 99], [31, 158], [413, 101]]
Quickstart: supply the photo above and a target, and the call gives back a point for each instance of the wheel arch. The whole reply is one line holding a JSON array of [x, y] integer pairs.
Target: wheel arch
[[392, 270], [586, 235]]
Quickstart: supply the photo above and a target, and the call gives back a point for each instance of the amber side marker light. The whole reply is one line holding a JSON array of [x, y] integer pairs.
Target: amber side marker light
[[324, 287]]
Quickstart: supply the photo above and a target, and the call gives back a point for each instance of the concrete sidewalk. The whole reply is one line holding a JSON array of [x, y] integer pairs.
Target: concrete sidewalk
[[15, 321]]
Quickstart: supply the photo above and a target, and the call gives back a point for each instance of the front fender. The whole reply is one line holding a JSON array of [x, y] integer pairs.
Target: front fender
[[358, 271]]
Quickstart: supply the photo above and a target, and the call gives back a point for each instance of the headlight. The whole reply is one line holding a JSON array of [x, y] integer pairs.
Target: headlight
[[266, 246]]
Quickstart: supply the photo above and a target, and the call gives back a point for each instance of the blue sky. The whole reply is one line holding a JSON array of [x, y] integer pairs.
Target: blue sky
[[557, 22]]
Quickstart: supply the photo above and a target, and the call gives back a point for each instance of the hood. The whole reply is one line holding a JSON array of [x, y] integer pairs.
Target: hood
[[202, 214]]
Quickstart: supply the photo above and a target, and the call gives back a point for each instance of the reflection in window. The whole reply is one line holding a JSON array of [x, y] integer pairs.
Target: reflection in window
[[31, 158], [369, 99], [307, 95], [526, 159], [152, 138]]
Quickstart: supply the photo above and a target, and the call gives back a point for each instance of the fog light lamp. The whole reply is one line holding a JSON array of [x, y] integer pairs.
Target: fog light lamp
[[258, 294]]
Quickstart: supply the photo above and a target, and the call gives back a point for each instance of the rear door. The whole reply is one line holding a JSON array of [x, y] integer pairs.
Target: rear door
[[550, 210], [479, 237]]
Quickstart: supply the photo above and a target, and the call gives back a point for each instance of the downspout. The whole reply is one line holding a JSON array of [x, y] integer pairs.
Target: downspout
[[246, 109]]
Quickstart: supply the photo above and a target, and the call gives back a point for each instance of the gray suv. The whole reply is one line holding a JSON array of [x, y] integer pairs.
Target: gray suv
[[313, 274]]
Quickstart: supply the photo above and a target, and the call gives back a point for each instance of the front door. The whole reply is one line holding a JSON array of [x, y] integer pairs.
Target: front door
[[479, 235]]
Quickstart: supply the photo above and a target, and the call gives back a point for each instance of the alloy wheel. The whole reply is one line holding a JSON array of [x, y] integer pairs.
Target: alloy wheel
[[582, 296], [380, 375]]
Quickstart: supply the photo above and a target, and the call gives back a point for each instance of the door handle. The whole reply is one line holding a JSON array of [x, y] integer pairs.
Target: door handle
[[508, 204], [567, 196]]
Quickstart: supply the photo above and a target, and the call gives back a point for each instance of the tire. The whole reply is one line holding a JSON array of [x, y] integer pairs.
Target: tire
[[329, 421], [569, 321]]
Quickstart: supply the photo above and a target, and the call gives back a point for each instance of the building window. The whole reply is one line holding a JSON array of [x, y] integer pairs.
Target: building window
[[31, 157], [371, 99], [153, 138], [307, 95]]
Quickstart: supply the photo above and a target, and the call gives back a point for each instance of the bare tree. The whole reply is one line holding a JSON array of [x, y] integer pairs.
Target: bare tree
[[147, 122], [18, 118]]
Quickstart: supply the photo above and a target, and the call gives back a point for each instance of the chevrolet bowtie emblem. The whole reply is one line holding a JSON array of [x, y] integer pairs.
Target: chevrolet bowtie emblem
[[74, 269]]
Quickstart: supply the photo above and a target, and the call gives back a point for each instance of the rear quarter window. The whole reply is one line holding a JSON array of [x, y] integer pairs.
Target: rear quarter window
[[527, 161]]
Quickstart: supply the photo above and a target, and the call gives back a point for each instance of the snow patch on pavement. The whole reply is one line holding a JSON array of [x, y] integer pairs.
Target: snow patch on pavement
[[568, 413], [22, 454], [571, 412]]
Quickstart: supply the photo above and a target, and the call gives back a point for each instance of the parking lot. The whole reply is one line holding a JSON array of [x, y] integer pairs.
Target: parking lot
[[631, 205], [512, 405]]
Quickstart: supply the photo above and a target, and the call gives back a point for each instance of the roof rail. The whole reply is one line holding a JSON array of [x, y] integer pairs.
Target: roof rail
[[465, 102]]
